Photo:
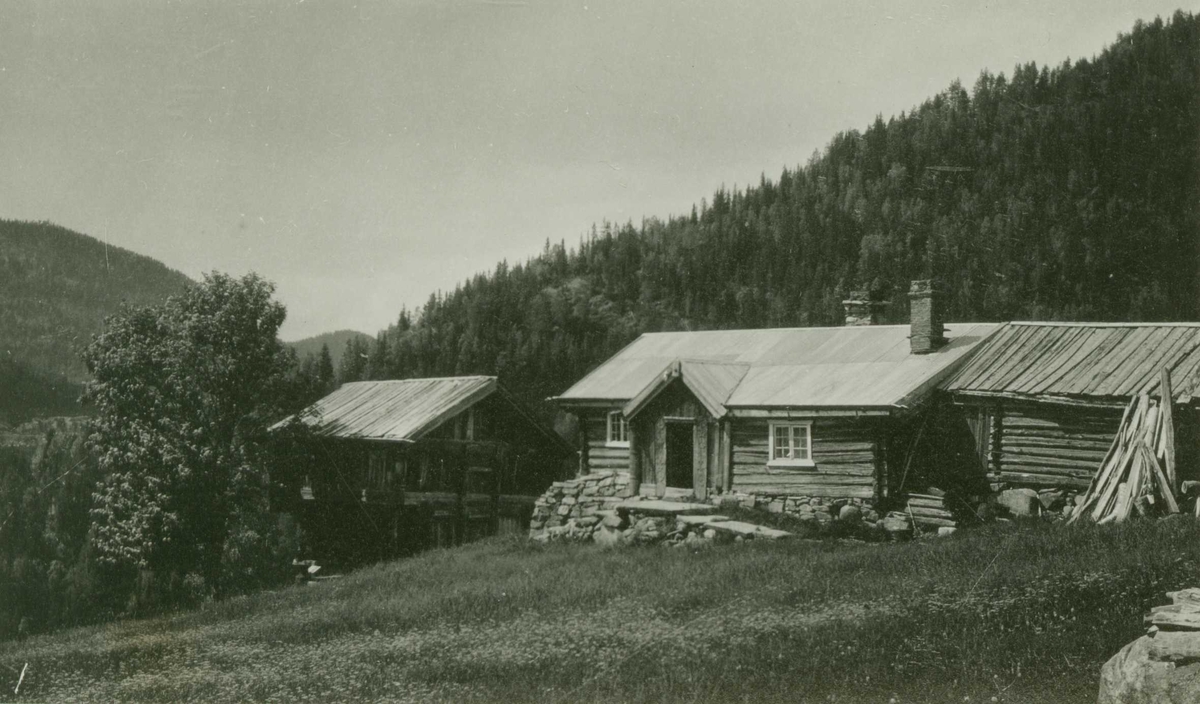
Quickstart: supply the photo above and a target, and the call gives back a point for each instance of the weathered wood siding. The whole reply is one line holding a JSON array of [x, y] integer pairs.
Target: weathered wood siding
[[676, 403], [1046, 445], [601, 457], [843, 451]]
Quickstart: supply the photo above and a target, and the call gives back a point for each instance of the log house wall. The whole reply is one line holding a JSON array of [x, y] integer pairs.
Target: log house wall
[[600, 457], [843, 450]]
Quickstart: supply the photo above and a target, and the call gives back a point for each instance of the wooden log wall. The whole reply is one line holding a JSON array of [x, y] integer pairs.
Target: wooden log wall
[[843, 451], [1044, 446], [601, 457]]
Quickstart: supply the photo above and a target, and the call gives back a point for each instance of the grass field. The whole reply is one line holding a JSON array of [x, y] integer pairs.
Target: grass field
[[1018, 613]]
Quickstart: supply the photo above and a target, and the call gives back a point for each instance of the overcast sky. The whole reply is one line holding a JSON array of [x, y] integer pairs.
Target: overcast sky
[[365, 155]]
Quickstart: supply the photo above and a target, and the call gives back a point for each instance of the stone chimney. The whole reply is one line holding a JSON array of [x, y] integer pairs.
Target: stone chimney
[[925, 315], [862, 309]]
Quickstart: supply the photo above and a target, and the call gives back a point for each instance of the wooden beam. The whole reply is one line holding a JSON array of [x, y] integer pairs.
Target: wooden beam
[[583, 444], [726, 455], [802, 413], [700, 458], [635, 459], [660, 457]]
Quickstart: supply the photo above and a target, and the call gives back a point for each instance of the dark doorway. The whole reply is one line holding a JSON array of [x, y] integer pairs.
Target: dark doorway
[[679, 455]]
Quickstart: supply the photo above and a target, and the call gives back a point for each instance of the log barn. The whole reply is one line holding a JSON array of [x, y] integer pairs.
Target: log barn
[[391, 467], [1043, 400], [786, 413]]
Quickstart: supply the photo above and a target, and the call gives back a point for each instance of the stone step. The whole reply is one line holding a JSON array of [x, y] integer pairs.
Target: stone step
[[700, 520], [749, 529], [665, 508]]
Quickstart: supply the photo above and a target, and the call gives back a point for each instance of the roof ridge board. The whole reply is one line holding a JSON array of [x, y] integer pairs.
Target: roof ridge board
[[422, 378], [1117, 324], [694, 360], [791, 329]]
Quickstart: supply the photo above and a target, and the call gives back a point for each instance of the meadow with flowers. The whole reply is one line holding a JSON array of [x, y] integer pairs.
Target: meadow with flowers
[[1017, 612]]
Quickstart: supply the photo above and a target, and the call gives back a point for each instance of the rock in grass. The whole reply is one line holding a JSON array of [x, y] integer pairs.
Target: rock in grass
[[608, 538], [1159, 669], [850, 513], [1020, 502]]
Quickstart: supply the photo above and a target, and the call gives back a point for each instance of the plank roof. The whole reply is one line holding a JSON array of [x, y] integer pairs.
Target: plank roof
[[1082, 361], [850, 367], [397, 410]]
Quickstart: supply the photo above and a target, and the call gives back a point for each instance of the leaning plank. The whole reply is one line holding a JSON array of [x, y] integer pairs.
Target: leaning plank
[[1164, 487], [1168, 427]]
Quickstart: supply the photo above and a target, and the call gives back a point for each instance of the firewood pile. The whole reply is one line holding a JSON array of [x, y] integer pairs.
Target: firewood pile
[[929, 511], [1137, 476]]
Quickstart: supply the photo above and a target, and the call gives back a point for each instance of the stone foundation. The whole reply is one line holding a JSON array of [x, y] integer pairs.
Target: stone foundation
[[821, 511], [580, 508], [573, 509]]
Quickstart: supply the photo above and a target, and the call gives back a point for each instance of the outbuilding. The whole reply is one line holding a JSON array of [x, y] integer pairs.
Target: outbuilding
[[1044, 400], [390, 467]]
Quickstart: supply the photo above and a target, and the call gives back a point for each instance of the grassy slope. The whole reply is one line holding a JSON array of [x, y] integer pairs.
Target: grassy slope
[[1020, 613]]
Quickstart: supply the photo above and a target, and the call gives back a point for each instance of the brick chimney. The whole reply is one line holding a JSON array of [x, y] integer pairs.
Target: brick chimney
[[925, 316], [862, 309]]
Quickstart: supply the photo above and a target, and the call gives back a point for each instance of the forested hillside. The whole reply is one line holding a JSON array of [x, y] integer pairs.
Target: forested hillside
[[335, 341], [56, 287], [1063, 192]]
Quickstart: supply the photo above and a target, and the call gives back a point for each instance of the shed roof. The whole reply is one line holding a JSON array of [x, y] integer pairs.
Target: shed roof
[[1097, 361], [398, 410], [850, 367]]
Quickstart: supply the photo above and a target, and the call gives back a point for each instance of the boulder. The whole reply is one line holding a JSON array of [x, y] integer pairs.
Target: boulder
[[1162, 668], [946, 531], [1020, 502], [1052, 499], [606, 537], [897, 524], [850, 513]]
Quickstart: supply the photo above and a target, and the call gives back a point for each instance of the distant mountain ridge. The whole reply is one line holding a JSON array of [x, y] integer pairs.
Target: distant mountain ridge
[[336, 340], [56, 288]]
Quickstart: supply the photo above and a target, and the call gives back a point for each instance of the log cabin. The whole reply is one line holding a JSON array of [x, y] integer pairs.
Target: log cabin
[[1043, 400], [387, 468], [802, 412]]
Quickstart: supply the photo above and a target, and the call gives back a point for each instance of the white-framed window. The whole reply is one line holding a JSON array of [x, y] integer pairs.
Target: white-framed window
[[790, 444], [618, 430]]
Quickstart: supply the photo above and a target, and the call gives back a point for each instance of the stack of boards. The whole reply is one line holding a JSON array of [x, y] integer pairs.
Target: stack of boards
[[928, 511], [1137, 475]]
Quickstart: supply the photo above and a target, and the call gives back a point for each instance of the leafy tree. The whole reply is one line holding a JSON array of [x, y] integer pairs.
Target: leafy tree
[[182, 391]]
